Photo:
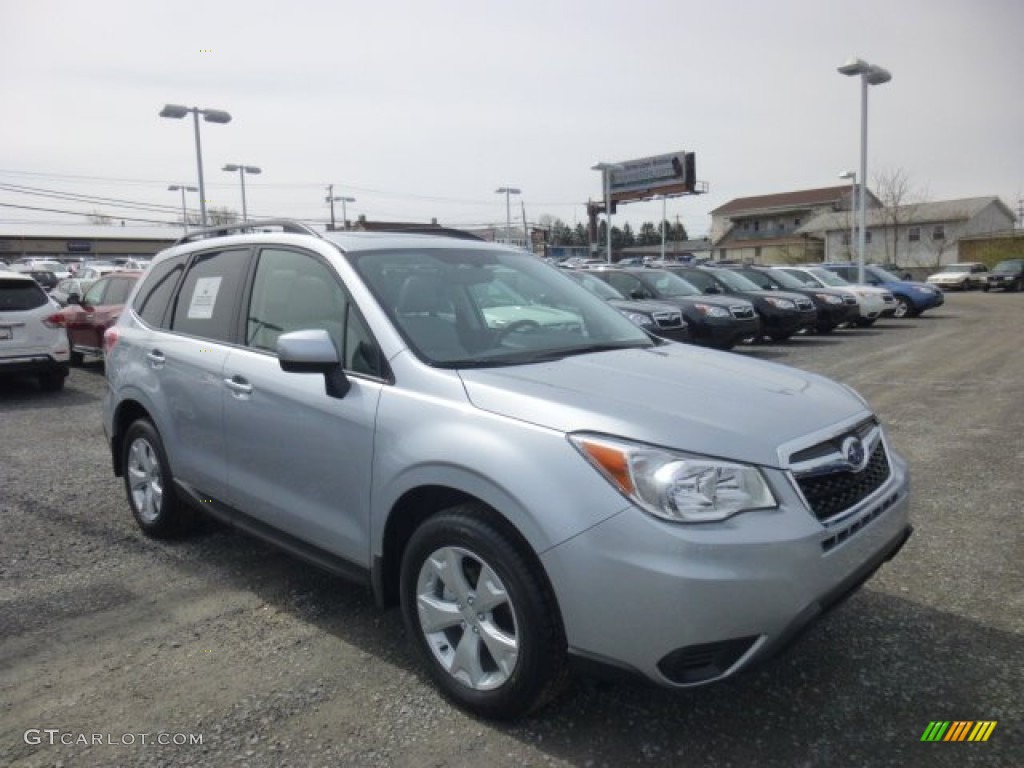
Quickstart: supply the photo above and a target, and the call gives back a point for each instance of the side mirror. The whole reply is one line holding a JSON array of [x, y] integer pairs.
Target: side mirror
[[313, 352]]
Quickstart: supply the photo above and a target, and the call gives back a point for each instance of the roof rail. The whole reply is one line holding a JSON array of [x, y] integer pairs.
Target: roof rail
[[223, 230]]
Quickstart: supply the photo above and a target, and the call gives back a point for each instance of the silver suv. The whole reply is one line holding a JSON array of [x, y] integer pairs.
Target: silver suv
[[528, 492]]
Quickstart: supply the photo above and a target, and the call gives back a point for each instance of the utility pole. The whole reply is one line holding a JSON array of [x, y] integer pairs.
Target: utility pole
[[330, 199]]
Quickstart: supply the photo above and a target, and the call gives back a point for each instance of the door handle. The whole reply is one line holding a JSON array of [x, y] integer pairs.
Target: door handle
[[156, 358], [239, 386]]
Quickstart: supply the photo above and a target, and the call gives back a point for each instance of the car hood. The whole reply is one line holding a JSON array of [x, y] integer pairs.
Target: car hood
[[646, 307], [681, 397]]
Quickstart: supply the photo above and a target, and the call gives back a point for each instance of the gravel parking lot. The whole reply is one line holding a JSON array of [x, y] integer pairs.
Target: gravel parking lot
[[111, 643]]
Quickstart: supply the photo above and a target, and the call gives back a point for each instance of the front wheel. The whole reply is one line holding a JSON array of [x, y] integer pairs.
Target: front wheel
[[481, 615], [150, 486], [903, 307]]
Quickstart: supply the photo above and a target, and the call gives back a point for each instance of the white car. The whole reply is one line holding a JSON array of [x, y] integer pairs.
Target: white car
[[30, 264], [30, 343], [874, 302], [962, 277]]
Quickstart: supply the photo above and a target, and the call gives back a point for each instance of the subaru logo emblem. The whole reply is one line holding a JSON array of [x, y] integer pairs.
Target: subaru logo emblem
[[853, 452]]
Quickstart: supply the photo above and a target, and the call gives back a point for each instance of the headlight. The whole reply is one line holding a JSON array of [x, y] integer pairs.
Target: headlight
[[675, 486], [711, 311], [780, 303], [828, 298], [637, 318]]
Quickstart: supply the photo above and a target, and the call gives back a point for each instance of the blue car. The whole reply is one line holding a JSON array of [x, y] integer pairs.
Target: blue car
[[912, 297]]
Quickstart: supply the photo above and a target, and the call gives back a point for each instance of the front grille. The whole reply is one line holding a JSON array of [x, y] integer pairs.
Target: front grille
[[835, 492], [668, 319], [741, 312]]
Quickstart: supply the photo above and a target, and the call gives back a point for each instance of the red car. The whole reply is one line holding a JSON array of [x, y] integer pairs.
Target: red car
[[87, 317]]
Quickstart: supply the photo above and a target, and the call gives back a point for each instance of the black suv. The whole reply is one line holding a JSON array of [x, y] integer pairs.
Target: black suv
[[835, 308], [782, 313], [658, 319], [718, 322], [1008, 275]]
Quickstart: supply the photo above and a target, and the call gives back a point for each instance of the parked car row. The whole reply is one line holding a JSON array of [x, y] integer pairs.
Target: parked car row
[[725, 305]]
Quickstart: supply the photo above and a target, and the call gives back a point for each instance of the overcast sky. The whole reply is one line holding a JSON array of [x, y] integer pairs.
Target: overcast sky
[[422, 108]]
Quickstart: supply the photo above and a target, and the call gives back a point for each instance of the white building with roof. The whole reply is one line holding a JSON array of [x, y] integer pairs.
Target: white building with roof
[[914, 235], [97, 241]]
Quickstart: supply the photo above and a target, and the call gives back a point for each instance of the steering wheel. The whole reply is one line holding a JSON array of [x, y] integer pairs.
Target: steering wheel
[[516, 326]]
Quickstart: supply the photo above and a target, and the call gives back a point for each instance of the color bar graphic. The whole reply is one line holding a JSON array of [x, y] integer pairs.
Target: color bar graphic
[[959, 730]]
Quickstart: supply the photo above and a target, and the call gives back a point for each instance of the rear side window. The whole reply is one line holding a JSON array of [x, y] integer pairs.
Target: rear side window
[[20, 295], [207, 304], [118, 290], [155, 296]]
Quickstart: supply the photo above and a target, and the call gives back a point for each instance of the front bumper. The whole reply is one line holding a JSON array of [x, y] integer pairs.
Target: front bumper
[[685, 605]]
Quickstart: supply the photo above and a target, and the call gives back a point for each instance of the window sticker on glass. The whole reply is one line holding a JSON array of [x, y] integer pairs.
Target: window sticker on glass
[[204, 297]]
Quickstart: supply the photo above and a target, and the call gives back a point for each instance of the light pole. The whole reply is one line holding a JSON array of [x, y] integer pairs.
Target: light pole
[[852, 176], [870, 74], [606, 169], [663, 199], [242, 170], [506, 191], [177, 111], [184, 211]]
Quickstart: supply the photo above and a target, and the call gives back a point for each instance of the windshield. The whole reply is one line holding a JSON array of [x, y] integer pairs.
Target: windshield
[[736, 281], [668, 284], [828, 277], [463, 307], [595, 286], [1013, 265], [782, 279], [882, 275]]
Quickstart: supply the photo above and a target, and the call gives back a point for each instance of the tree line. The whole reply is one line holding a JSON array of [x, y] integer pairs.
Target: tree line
[[649, 233]]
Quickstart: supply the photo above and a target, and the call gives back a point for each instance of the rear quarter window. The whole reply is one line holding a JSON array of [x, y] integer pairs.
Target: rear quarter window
[[154, 298]]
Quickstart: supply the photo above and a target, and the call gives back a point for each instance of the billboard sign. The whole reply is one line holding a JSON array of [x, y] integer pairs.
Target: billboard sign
[[649, 175]]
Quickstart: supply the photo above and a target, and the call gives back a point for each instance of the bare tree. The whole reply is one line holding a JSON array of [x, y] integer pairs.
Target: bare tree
[[100, 218], [215, 217], [899, 201]]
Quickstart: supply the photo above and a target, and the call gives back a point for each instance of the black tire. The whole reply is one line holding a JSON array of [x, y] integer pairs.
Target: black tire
[[985, 287], [76, 358], [442, 566], [865, 322], [779, 337], [53, 381], [903, 308], [149, 485]]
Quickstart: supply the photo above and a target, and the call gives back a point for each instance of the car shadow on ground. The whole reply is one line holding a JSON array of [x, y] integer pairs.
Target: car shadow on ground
[[858, 689], [23, 393]]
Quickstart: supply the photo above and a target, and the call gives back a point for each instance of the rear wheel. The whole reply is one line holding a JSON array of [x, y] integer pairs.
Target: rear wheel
[[150, 486], [481, 615], [53, 381]]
